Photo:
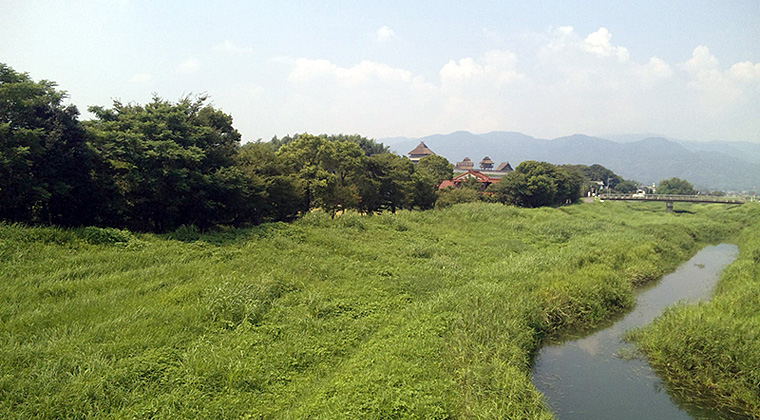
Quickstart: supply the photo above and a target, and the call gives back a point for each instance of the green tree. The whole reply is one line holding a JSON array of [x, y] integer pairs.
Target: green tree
[[569, 185], [303, 158], [345, 163], [598, 172], [423, 190], [511, 189], [369, 146], [436, 166], [171, 162], [429, 172], [392, 176], [329, 170], [536, 184], [449, 196], [675, 186], [541, 183], [272, 194], [626, 187], [46, 167]]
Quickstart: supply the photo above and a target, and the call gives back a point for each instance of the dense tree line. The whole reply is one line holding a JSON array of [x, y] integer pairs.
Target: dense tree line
[[45, 159], [537, 184], [162, 165], [610, 181], [676, 186]]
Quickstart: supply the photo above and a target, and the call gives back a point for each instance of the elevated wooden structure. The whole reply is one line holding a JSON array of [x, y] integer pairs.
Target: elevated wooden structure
[[420, 152]]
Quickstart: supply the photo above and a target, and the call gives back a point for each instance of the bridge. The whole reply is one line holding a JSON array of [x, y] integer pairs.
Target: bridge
[[669, 199]]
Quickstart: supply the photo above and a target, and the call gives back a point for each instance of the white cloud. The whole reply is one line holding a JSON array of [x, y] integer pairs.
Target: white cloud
[[701, 60], [384, 34], [141, 78], [255, 90], [466, 68], [327, 97], [496, 69], [719, 91], [560, 39], [746, 72], [492, 35], [279, 59], [231, 48], [564, 31], [599, 43], [653, 72], [190, 65], [565, 84], [306, 70]]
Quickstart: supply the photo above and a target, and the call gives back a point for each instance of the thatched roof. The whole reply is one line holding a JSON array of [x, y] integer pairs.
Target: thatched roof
[[421, 150], [504, 167], [486, 160], [466, 163]]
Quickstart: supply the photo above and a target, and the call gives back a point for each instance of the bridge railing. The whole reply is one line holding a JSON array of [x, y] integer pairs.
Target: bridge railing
[[674, 197]]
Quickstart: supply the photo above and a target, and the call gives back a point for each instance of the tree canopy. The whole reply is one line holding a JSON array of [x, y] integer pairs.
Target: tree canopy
[[536, 184], [45, 163], [675, 186], [159, 166], [171, 162]]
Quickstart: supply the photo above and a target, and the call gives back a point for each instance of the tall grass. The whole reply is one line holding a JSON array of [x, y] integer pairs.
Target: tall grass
[[415, 315], [709, 353]]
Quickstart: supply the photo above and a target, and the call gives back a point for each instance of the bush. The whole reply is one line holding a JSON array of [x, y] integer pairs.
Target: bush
[[105, 236], [186, 233], [450, 196]]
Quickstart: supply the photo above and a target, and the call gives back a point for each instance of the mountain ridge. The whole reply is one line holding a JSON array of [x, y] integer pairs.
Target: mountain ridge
[[728, 166]]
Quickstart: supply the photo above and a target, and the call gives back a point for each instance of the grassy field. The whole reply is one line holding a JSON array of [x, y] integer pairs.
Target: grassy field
[[710, 352], [432, 315]]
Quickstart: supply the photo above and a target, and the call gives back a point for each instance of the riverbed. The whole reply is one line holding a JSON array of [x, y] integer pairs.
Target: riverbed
[[597, 377]]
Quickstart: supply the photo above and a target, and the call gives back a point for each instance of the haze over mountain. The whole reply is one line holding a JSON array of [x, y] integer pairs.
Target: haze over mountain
[[728, 166]]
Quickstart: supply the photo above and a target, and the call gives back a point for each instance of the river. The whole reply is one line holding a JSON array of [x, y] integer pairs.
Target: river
[[590, 377]]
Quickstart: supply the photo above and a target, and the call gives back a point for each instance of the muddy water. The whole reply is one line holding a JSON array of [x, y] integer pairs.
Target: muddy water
[[590, 377]]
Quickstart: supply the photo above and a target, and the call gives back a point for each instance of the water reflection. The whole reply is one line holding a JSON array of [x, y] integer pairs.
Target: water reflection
[[591, 345], [586, 378]]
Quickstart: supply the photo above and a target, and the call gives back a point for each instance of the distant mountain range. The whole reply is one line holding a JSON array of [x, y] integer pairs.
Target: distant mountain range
[[727, 166]]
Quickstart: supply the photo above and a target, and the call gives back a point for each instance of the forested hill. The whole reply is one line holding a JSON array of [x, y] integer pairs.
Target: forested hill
[[724, 166]]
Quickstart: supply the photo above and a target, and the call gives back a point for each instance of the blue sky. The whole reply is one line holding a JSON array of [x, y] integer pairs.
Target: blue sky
[[684, 69]]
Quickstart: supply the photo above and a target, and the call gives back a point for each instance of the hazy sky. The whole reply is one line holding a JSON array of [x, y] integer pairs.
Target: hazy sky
[[685, 69]]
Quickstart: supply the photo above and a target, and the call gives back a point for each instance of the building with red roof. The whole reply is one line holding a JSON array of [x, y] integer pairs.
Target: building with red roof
[[479, 177]]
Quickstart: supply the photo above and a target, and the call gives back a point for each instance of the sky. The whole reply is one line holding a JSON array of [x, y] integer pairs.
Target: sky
[[684, 69]]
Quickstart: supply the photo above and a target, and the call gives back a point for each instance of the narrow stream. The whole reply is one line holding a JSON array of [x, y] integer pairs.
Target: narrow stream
[[586, 378]]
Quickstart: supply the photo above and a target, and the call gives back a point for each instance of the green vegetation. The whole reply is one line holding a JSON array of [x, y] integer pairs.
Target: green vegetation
[[708, 353], [44, 159], [345, 313], [537, 184], [163, 165], [676, 186], [598, 173], [431, 314]]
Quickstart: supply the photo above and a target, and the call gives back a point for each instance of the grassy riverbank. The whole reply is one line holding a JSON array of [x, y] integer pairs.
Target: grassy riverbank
[[709, 353], [415, 315]]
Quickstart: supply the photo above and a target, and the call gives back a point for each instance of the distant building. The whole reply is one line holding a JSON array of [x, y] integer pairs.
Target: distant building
[[465, 165], [482, 179], [504, 167], [466, 168], [420, 152], [486, 164]]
